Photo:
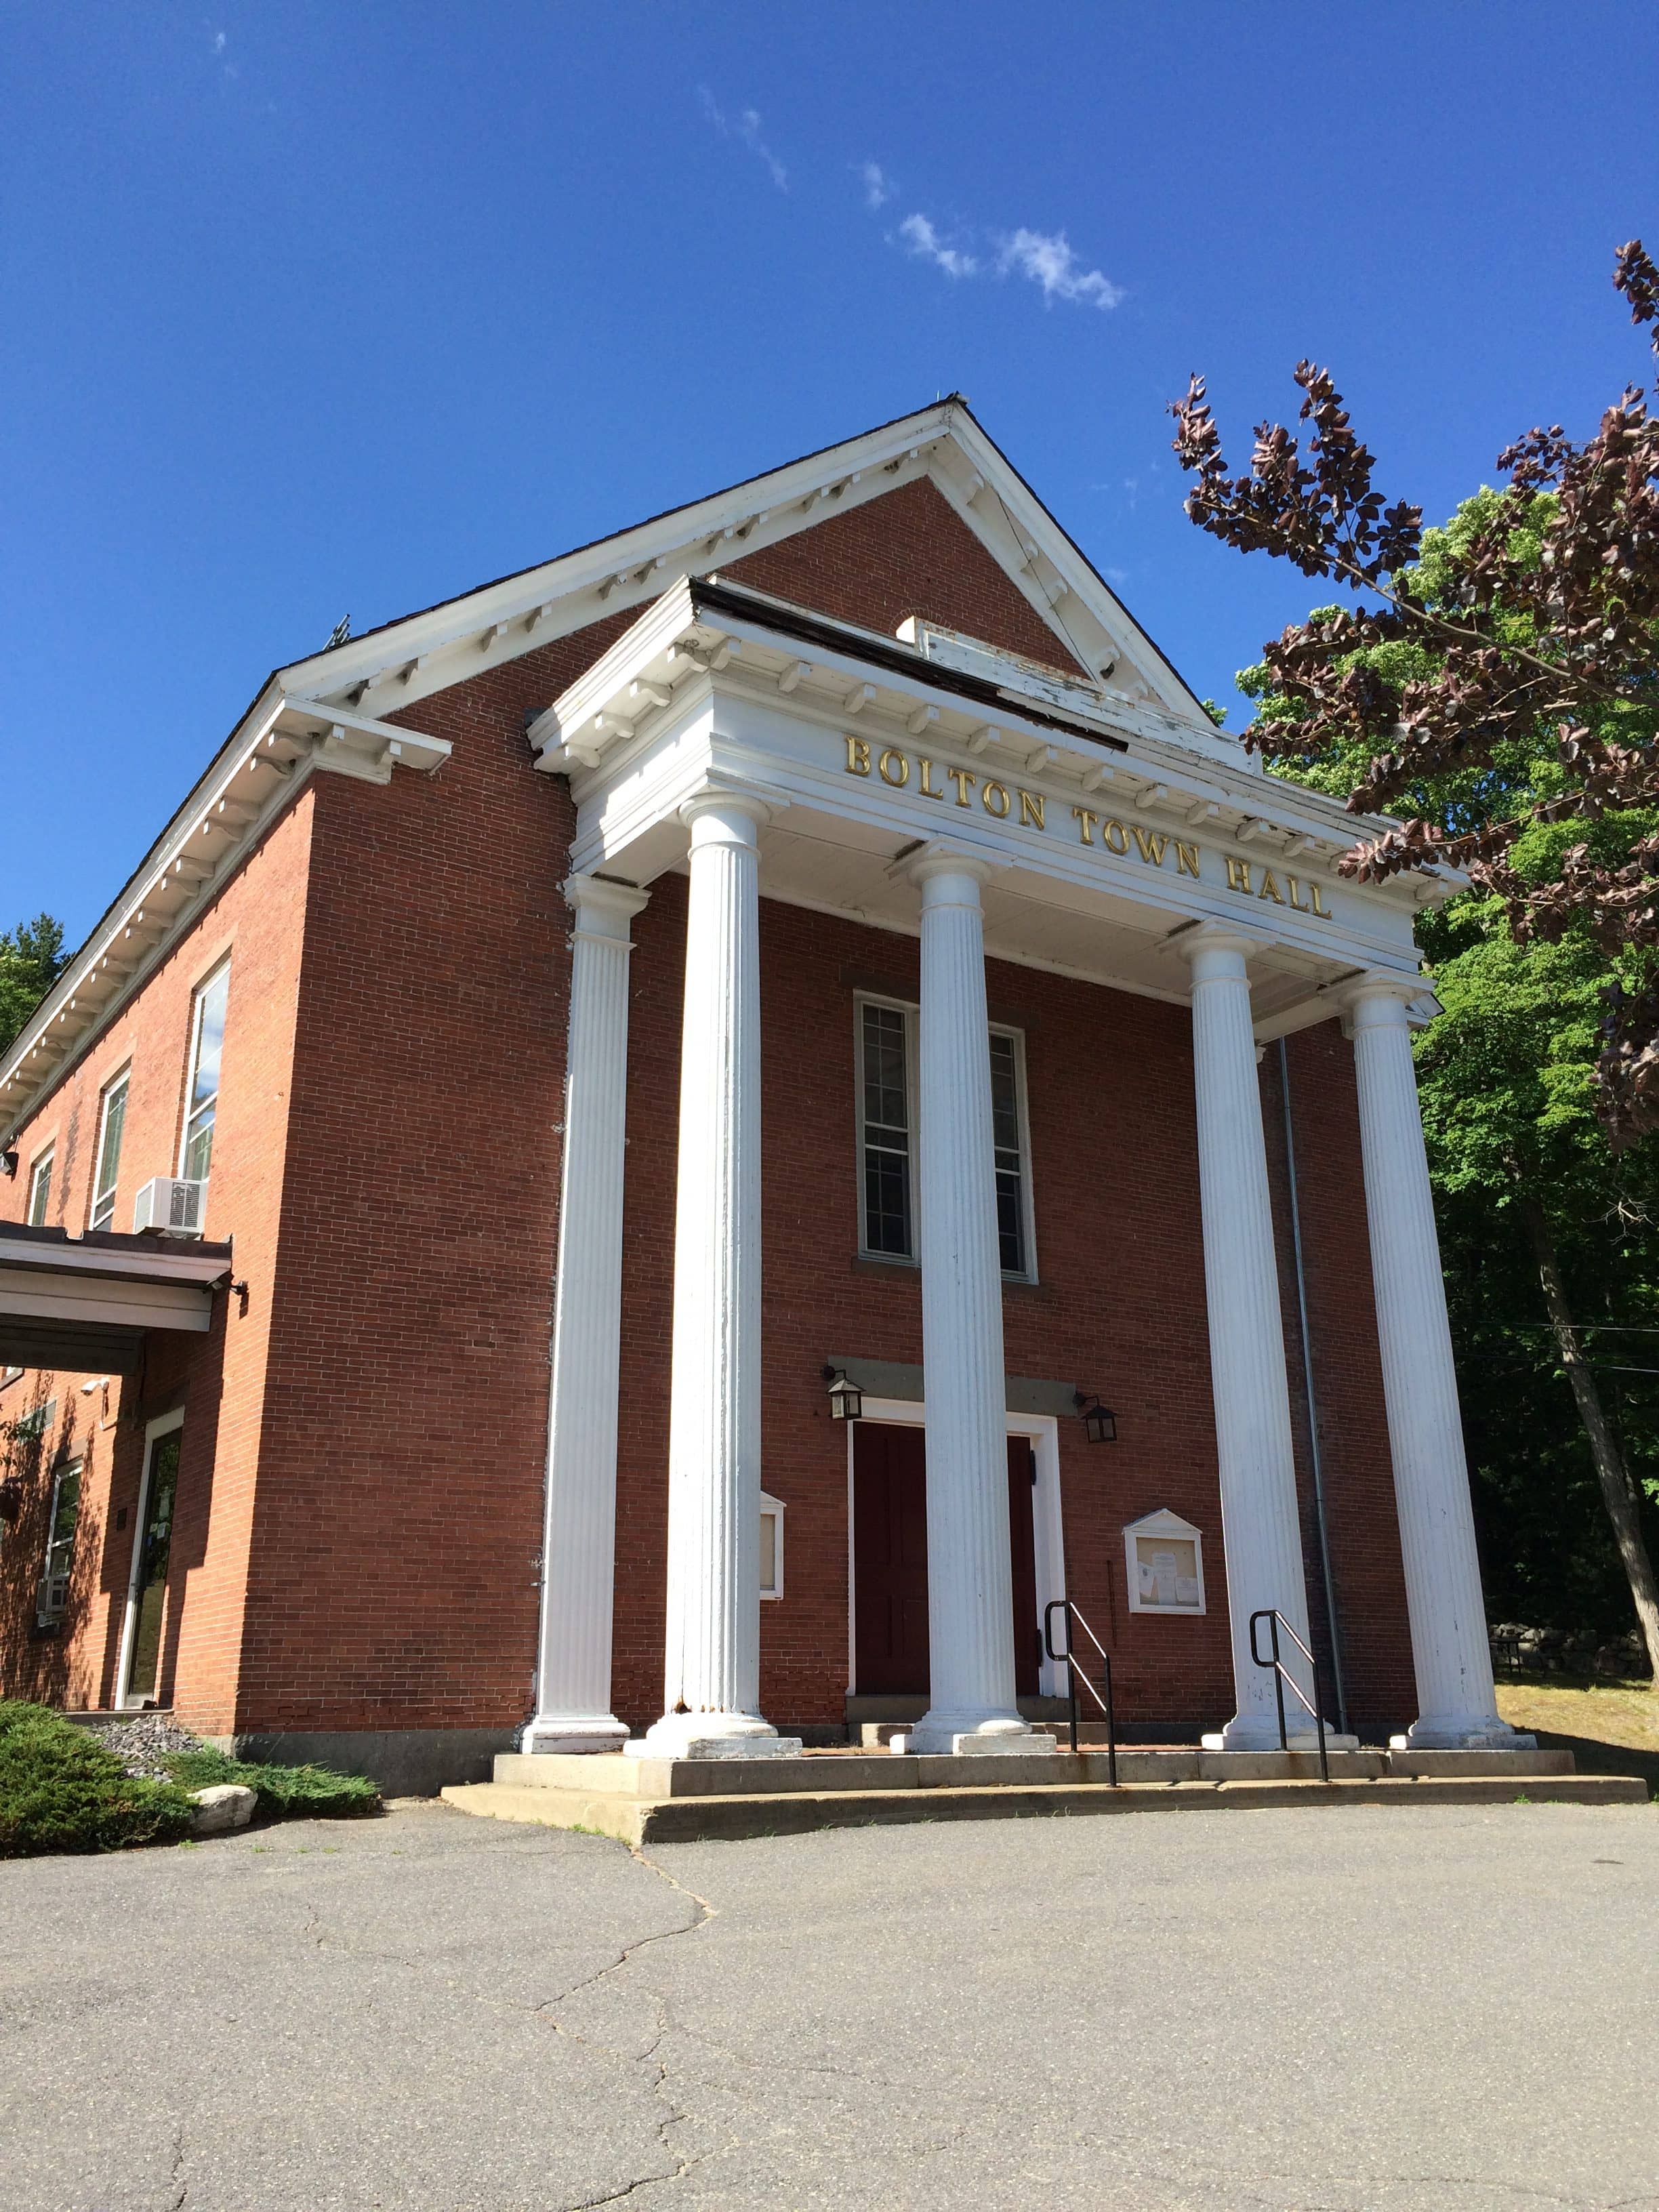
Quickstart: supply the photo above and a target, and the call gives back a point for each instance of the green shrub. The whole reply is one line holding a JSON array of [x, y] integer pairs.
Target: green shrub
[[60, 1790], [292, 1793]]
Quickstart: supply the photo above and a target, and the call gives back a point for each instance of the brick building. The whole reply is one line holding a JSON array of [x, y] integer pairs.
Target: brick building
[[806, 939]]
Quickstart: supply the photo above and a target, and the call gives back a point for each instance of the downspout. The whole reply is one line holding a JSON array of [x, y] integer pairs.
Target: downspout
[[1308, 1389]]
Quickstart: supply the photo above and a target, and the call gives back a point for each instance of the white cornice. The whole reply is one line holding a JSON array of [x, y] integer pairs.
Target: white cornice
[[282, 741]]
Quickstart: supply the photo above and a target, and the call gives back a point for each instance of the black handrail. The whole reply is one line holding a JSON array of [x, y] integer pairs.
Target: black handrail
[[1282, 1675], [1074, 1669]]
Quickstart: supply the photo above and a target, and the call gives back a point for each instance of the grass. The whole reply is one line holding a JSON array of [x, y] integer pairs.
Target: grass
[[60, 1790], [1611, 1728], [290, 1793]]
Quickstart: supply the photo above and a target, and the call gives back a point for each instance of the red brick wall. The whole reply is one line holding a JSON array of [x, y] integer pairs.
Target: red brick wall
[[907, 553], [220, 1378]]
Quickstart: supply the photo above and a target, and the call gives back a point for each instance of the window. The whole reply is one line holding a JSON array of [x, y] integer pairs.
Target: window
[[202, 1101], [771, 1546], [39, 1189], [886, 1086], [888, 1059], [112, 1122], [60, 1542], [8, 1376]]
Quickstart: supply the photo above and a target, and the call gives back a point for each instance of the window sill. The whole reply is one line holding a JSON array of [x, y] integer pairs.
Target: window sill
[[872, 1263]]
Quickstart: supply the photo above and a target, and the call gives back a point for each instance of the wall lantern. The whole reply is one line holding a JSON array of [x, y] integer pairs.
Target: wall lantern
[[9, 1162], [1099, 1422], [846, 1398]]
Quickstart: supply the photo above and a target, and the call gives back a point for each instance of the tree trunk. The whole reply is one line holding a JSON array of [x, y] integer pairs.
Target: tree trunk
[[1618, 1491]]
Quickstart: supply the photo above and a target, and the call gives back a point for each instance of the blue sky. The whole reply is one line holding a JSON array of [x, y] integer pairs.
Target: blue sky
[[329, 308]]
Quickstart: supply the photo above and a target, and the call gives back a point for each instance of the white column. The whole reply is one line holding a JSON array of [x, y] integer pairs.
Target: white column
[[1261, 1527], [1449, 1648], [578, 1551], [970, 1632], [711, 1695], [573, 1679]]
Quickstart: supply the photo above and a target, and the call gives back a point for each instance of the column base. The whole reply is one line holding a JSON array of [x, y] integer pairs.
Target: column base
[[573, 1732], [1245, 1732], [713, 1736], [1474, 1733], [971, 1735]]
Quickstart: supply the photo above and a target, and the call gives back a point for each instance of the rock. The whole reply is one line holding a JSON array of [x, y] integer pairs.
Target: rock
[[226, 1805]]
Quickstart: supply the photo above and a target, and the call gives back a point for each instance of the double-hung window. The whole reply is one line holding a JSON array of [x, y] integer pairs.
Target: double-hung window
[[202, 1101], [60, 1542], [111, 1121], [887, 1037], [41, 1188]]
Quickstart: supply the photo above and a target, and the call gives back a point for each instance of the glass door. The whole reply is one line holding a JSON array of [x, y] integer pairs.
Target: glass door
[[150, 1585]]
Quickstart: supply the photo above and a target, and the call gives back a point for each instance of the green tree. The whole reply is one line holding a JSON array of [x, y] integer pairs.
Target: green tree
[[31, 958], [1541, 1222]]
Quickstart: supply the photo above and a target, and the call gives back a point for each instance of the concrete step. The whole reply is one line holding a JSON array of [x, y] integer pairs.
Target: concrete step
[[702, 1816]]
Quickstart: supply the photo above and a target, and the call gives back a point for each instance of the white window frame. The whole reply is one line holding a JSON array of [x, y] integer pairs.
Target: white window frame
[[8, 1376], [47, 1614], [42, 1165], [119, 1086], [1149, 1527], [198, 1001], [912, 1014], [162, 1426], [773, 1509], [1042, 1432]]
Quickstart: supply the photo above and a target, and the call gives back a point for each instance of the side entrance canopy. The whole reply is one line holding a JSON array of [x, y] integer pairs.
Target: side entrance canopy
[[84, 1304]]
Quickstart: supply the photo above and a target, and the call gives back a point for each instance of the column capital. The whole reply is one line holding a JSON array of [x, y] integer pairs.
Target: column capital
[[730, 802], [1380, 998], [603, 907], [1217, 949], [941, 857]]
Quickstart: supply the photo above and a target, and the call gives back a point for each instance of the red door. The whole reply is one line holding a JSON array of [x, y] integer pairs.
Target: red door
[[889, 1560]]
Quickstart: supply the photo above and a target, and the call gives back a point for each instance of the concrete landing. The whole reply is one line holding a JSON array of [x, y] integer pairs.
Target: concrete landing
[[692, 1801]]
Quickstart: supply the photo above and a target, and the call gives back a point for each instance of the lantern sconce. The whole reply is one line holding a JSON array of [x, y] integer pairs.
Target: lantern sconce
[[1099, 1422], [846, 1398], [9, 1162]]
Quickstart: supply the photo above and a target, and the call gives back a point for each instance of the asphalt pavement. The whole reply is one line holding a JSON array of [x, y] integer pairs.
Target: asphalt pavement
[[1355, 2011]]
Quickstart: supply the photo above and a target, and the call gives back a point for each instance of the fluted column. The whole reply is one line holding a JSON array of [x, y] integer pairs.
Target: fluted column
[[970, 1635], [1449, 1650], [1261, 1526], [573, 1679], [711, 1695]]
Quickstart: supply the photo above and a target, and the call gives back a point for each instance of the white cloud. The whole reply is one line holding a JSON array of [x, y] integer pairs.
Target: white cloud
[[921, 239], [1047, 259], [218, 42], [877, 185], [747, 130]]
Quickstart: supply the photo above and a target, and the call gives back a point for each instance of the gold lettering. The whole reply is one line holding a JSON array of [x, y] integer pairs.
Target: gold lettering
[[962, 779], [1152, 843], [1323, 912], [1185, 859], [1085, 823], [1270, 889], [924, 783], [1295, 901], [1000, 805], [891, 759], [1115, 834], [1238, 874], [858, 757], [1030, 810]]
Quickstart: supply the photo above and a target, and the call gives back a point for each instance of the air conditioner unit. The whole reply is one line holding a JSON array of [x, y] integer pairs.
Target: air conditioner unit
[[169, 1204]]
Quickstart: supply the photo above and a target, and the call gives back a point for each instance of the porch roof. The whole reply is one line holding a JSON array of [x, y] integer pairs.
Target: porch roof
[[84, 1304]]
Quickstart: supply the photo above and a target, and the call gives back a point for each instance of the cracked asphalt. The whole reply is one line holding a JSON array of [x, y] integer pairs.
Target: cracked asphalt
[[1360, 2011]]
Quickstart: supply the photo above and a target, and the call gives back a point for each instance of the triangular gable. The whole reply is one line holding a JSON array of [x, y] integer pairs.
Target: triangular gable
[[976, 544]]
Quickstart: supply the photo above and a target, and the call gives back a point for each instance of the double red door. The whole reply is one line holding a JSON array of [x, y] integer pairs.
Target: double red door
[[889, 1560]]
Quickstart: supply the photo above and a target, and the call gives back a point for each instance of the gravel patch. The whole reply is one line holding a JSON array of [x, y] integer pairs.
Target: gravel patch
[[144, 1745]]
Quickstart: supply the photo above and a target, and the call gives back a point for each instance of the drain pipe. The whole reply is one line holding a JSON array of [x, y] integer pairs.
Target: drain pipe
[[1308, 1388]]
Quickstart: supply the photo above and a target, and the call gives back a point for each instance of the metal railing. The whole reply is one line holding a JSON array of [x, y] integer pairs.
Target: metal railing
[[1282, 1675], [1075, 1671]]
